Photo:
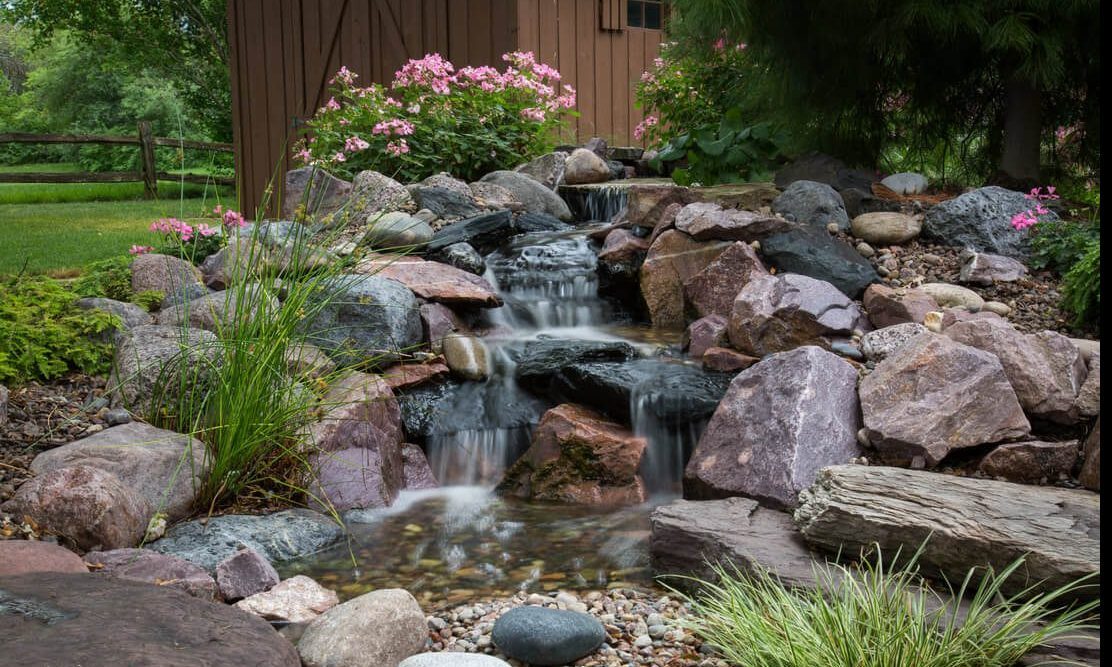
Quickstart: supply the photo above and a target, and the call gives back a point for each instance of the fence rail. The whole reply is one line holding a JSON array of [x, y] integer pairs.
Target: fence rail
[[144, 140]]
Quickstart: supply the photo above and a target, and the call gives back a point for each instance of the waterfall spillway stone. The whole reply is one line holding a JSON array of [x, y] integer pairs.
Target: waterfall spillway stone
[[599, 202]]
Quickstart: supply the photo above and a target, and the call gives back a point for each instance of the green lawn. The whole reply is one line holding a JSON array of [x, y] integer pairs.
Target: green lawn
[[43, 193]]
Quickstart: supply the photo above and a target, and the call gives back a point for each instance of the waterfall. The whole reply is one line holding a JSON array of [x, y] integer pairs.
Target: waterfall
[[599, 203]]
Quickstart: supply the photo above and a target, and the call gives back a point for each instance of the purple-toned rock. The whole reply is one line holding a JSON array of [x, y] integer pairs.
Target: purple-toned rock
[[888, 306], [362, 412], [311, 193], [1045, 369], [162, 273], [623, 252], [725, 360], [707, 221], [244, 574], [705, 333], [3, 405], [673, 259], [777, 313], [85, 505], [1090, 470], [153, 568], [780, 422], [439, 322], [26, 556], [712, 290], [982, 268], [298, 599], [1030, 462], [418, 473], [1088, 398], [951, 316], [355, 478], [440, 283], [934, 395]]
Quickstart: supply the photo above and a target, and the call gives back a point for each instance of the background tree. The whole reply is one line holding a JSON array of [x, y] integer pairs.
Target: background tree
[[992, 78]]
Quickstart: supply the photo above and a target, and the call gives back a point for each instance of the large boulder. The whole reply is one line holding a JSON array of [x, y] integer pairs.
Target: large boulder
[[542, 636], [888, 306], [814, 252], [467, 356], [547, 169], [623, 253], [781, 421], [536, 197], [935, 395], [417, 471], [1090, 470], [19, 557], [312, 193], [956, 523], [705, 333], [434, 281], [672, 260], [578, 456], [448, 203], [884, 228], [777, 313], [708, 221], [812, 204], [713, 289], [162, 273], [360, 411], [373, 194], [128, 315], [86, 506], [364, 317], [355, 478], [981, 220], [584, 166], [164, 467], [154, 362], [376, 629], [396, 230], [1088, 398], [826, 169], [237, 306], [541, 360], [1044, 369], [154, 568], [483, 232], [646, 202], [906, 183]]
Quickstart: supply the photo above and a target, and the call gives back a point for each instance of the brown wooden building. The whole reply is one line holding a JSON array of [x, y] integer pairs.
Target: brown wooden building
[[284, 51]]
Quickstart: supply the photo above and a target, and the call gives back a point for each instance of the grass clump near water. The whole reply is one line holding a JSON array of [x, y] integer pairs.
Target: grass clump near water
[[880, 616]]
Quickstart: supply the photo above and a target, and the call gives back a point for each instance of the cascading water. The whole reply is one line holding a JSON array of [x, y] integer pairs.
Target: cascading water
[[604, 201]]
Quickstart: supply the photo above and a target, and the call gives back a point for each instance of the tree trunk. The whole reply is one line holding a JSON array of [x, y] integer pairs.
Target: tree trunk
[[1022, 131]]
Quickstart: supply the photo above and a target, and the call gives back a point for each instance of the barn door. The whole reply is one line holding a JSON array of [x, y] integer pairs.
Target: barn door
[[319, 55]]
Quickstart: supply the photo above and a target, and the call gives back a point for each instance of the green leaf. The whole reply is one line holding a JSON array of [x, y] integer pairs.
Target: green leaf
[[716, 147]]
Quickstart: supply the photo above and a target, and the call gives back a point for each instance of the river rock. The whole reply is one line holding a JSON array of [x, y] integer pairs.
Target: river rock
[[541, 360], [484, 232], [547, 169], [888, 306], [956, 523], [298, 599], [237, 306], [161, 273], [396, 230], [885, 228], [876, 345], [467, 357], [623, 253], [367, 316], [361, 411], [404, 376], [982, 268], [418, 473], [280, 537], [1090, 470], [688, 536], [1045, 369], [355, 478], [434, 281], [164, 467], [578, 456], [906, 183], [1030, 462], [812, 204], [672, 260], [464, 257], [536, 197], [705, 333], [707, 221], [777, 313], [813, 252], [376, 629], [953, 296], [934, 395], [713, 289], [584, 166], [981, 220], [448, 203], [543, 636], [374, 193], [780, 422], [128, 315], [19, 557], [311, 192], [453, 659], [647, 202], [725, 360], [77, 619], [437, 321], [149, 360], [1088, 398], [153, 568], [243, 574], [87, 506]]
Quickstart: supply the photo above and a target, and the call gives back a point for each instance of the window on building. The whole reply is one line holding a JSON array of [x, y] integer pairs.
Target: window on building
[[647, 14]]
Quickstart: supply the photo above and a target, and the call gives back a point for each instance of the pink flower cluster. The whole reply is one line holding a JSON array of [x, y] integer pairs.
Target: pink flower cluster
[[1030, 217], [140, 249], [394, 127], [229, 218], [184, 231], [643, 126]]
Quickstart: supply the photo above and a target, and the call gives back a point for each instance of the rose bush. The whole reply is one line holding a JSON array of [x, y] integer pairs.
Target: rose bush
[[435, 118]]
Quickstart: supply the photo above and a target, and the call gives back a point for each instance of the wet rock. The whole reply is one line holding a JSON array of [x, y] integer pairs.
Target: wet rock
[[374, 193], [535, 196], [713, 289], [467, 357], [877, 345], [446, 203], [298, 599], [367, 316], [705, 333], [311, 192], [379, 628], [542, 359], [542, 636], [462, 256], [672, 260], [779, 423], [84, 505], [18, 557], [526, 223], [233, 307], [955, 523], [164, 467], [162, 273], [777, 313], [88, 625], [813, 252], [688, 536], [547, 169], [888, 306], [415, 466], [886, 228], [361, 411], [153, 568], [725, 360], [438, 321], [483, 232], [584, 166], [128, 315], [982, 268], [405, 376], [396, 230], [1088, 398], [1090, 470], [150, 360], [623, 253], [280, 537], [812, 204], [707, 221], [953, 296], [1029, 462], [934, 395], [578, 456], [434, 281], [981, 220], [906, 183], [244, 574]]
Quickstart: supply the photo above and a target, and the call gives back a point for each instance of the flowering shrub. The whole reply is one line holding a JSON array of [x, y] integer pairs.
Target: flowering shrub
[[1030, 217], [435, 118], [191, 242]]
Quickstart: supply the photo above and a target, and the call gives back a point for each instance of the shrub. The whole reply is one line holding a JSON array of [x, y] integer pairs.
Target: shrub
[[43, 335], [109, 278], [1081, 285], [879, 616], [727, 151], [434, 118]]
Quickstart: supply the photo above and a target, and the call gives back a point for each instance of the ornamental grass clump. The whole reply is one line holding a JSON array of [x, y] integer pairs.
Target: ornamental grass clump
[[434, 117], [880, 616]]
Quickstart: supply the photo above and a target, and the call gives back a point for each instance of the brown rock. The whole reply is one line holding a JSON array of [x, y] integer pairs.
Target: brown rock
[[162, 273], [440, 283], [747, 196], [376, 629], [726, 360], [578, 456], [1031, 462], [407, 376], [245, 573], [1090, 470], [647, 202], [934, 395], [298, 599], [26, 556], [85, 505], [418, 473], [982, 268], [886, 228], [673, 259], [584, 166], [153, 568], [664, 222], [1088, 398], [361, 412], [951, 316], [438, 321], [712, 290], [623, 252], [312, 192], [705, 333], [705, 221], [887, 306]]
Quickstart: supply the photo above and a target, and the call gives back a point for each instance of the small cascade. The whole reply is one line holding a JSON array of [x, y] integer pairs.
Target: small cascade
[[599, 203]]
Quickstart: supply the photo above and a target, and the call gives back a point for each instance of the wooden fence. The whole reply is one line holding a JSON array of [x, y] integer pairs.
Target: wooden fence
[[148, 172]]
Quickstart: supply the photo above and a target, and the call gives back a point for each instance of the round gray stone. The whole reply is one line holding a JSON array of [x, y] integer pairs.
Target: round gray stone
[[542, 636]]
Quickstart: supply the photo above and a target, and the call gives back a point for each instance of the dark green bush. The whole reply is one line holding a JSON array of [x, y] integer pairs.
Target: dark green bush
[[1081, 286], [1071, 249], [110, 278], [727, 151]]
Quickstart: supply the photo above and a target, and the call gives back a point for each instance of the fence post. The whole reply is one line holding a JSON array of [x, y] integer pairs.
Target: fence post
[[146, 158]]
